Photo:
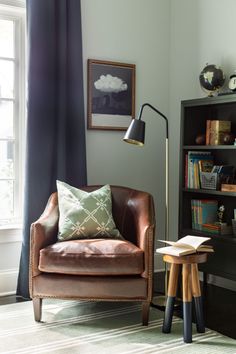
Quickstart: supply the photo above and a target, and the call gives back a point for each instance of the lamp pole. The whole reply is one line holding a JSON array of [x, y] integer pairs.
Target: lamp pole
[[136, 135]]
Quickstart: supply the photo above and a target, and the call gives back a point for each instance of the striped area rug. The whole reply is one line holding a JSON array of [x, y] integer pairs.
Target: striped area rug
[[98, 328]]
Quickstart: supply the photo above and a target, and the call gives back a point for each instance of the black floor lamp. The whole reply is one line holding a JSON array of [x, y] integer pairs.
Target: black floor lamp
[[135, 134]]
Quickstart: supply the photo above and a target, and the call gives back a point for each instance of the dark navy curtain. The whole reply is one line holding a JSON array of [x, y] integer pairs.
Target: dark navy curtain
[[55, 125]]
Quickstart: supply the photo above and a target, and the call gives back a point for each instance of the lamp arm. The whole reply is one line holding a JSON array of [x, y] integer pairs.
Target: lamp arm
[[156, 110]]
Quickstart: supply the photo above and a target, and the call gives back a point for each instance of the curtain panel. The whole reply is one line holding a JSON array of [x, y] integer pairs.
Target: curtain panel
[[55, 142]]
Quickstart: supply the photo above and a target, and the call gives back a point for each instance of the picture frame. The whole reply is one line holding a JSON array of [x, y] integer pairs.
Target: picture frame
[[111, 95]]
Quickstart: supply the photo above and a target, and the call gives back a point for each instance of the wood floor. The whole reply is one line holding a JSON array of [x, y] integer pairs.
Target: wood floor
[[219, 305]]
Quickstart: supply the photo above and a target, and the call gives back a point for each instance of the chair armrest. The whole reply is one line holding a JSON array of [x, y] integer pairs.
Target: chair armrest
[[145, 240], [141, 206], [43, 232]]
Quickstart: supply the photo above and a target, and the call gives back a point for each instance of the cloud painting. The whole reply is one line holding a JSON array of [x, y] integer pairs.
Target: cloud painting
[[109, 83], [111, 94]]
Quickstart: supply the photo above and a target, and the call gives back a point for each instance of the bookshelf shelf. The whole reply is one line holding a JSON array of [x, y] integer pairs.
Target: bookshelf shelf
[[194, 115], [210, 192], [228, 239], [209, 147]]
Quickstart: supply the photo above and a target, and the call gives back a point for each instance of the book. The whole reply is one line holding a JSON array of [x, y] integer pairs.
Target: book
[[186, 245], [228, 188], [206, 165], [225, 173], [211, 228], [217, 229], [227, 170], [208, 127], [217, 128], [204, 211], [192, 179]]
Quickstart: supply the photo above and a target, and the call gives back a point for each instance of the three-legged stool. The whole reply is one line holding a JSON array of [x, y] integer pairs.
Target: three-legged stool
[[190, 287]]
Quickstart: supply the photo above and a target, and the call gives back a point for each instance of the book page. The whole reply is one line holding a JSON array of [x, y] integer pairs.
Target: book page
[[174, 251], [192, 241], [172, 243], [178, 244]]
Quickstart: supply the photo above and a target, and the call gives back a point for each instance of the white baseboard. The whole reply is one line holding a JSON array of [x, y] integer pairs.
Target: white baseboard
[[8, 281], [222, 282]]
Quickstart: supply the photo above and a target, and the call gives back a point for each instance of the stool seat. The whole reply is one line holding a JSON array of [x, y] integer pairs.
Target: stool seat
[[188, 259], [190, 288]]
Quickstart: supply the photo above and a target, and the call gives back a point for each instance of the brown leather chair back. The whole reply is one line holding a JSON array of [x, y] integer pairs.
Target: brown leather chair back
[[126, 203]]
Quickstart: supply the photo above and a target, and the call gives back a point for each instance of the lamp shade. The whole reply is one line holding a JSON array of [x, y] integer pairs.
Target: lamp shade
[[135, 134]]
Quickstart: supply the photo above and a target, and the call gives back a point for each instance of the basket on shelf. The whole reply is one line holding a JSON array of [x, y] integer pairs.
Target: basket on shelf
[[209, 180]]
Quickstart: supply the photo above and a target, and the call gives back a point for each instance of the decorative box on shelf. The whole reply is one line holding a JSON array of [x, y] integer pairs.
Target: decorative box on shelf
[[228, 187], [209, 180]]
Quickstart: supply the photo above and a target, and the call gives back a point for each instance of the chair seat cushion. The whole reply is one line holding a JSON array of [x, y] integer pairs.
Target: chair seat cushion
[[92, 257]]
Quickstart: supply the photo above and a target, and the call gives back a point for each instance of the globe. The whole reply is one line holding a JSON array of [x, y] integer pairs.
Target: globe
[[211, 79]]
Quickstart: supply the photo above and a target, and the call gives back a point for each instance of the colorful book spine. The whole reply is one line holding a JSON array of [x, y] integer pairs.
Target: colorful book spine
[[211, 228], [208, 127], [192, 175], [186, 172], [204, 211]]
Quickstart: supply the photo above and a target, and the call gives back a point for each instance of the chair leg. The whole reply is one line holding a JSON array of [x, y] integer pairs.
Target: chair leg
[[37, 304], [145, 312]]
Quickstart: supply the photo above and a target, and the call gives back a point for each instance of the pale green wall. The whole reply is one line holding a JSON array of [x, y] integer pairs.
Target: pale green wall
[[170, 41], [131, 31]]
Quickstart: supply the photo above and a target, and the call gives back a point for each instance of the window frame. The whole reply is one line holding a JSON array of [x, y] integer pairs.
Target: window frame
[[15, 11]]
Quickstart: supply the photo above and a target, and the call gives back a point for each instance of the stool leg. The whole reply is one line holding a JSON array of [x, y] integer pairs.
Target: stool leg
[[172, 289], [187, 303], [204, 292], [197, 299]]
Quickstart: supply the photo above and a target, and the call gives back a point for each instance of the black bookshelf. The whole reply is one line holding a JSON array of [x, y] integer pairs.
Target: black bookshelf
[[194, 114]]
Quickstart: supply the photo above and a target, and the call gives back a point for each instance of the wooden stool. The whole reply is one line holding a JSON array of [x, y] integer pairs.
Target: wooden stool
[[190, 286]]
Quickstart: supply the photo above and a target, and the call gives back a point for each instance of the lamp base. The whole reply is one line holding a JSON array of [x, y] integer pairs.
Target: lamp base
[[159, 302]]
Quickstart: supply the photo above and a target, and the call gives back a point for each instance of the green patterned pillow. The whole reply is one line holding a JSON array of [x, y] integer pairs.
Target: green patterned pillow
[[85, 215]]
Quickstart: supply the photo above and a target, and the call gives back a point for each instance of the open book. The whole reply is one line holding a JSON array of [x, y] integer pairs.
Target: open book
[[186, 245]]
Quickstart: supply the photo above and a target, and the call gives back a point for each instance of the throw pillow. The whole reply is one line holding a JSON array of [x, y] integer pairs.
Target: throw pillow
[[85, 215]]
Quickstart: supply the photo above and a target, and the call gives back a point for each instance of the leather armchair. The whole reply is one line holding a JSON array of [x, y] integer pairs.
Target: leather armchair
[[96, 269]]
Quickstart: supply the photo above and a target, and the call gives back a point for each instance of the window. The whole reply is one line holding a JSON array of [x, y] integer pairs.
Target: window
[[12, 112]]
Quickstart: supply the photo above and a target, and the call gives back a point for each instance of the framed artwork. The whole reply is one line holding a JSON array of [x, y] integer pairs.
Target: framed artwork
[[111, 95]]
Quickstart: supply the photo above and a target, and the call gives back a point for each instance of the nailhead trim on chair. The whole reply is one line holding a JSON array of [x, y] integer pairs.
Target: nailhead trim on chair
[[41, 296]]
